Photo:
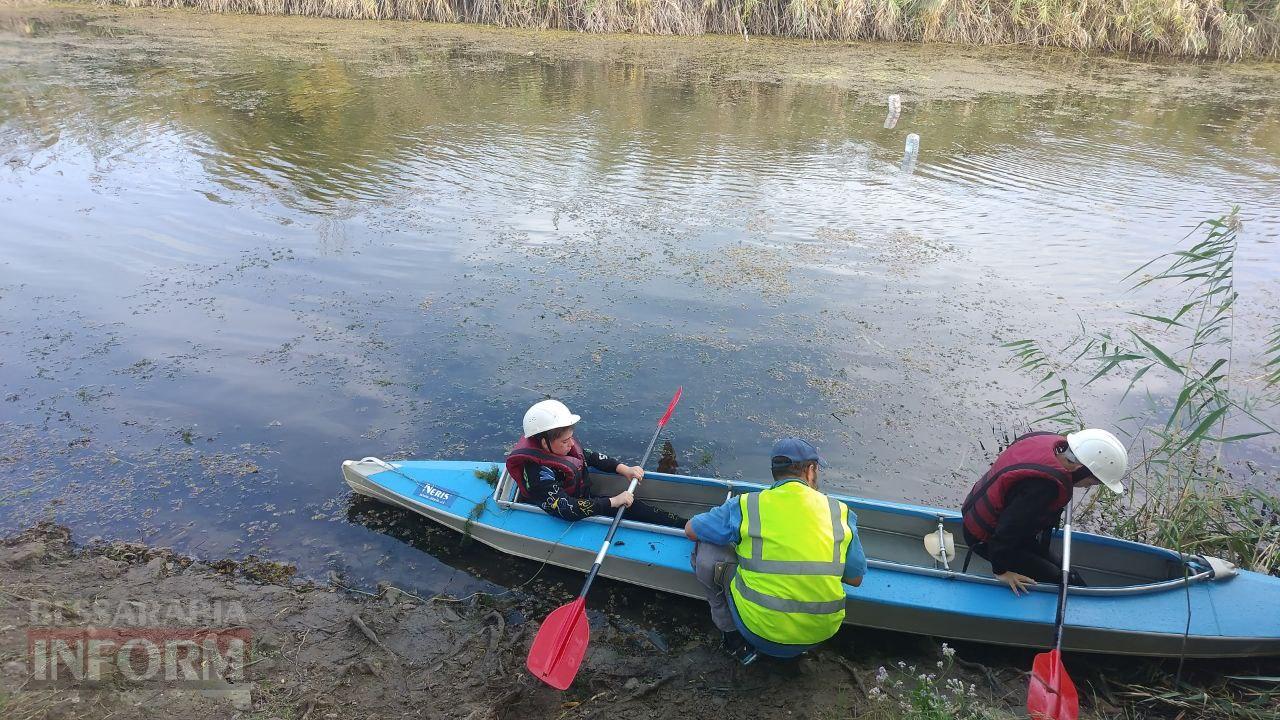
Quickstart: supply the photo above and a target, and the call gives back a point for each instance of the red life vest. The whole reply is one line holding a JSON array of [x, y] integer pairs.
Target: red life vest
[[571, 468], [1031, 456]]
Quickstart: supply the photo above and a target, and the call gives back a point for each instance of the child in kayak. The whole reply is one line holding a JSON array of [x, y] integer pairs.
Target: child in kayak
[[550, 467]]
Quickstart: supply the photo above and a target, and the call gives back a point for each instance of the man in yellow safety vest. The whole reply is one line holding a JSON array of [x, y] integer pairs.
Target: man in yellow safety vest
[[794, 550]]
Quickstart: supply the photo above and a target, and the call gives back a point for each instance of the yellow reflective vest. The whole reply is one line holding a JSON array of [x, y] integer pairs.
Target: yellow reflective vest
[[794, 541]]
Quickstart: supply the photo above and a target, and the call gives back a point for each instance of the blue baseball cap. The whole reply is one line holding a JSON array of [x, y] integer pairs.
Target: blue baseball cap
[[796, 450]]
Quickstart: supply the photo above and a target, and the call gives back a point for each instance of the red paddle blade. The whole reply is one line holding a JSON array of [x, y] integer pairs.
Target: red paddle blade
[[1051, 694], [672, 407], [560, 645]]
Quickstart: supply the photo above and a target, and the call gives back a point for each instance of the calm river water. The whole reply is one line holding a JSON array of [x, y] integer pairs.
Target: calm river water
[[237, 251]]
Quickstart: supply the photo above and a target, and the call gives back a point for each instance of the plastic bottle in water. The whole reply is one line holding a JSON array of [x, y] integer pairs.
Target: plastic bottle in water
[[910, 153], [895, 108]]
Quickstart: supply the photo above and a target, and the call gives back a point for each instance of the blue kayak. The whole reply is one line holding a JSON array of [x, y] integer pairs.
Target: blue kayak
[[1135, 602]]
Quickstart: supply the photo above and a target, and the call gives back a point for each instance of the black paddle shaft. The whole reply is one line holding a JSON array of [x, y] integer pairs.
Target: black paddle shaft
[[617, 518], [1066, 573]]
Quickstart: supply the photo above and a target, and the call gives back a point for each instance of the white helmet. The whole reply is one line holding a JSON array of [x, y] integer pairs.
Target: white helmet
[[547, 415], [1104, 455]]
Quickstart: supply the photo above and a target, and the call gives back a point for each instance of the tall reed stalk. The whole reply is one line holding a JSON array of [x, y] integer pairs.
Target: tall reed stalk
[[1181, 494], [1228, 29]]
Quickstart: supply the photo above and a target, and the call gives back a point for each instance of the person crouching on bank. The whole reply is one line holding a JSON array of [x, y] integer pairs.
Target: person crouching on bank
[[775, 562]]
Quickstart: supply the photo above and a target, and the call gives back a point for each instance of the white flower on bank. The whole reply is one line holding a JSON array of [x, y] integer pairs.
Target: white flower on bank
[[939, 663], [881, 675], [948, 651]]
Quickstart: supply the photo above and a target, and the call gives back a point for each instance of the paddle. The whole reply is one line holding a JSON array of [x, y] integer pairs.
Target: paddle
[[1051, 694], [561, 642]]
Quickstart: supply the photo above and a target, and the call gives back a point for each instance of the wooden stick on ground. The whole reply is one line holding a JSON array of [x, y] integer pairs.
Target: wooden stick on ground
[[359, 623], [857, 679]]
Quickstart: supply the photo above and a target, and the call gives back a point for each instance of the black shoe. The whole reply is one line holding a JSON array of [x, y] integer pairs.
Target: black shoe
[[745, 655], [737, 647], [730, 640]]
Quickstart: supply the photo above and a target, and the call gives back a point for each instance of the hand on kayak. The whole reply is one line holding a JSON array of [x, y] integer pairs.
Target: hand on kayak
[[631, 472], [1017, 582], [622, 499]]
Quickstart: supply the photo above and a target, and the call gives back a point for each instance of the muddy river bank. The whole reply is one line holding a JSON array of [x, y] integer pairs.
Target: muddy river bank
[[321, 651], [325, 650]]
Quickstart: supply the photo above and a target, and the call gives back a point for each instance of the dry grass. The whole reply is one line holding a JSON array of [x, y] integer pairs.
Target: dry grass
[[1226, 29]]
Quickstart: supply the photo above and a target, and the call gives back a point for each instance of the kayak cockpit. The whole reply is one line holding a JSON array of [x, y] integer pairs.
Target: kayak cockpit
[[893, 536]]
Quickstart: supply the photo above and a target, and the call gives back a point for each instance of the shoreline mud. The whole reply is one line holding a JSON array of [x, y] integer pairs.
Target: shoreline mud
[[329, 651]]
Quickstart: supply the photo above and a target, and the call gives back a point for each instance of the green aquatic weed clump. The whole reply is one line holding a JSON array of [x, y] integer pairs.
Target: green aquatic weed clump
[[476, 511], [254, 568], [491, 475]]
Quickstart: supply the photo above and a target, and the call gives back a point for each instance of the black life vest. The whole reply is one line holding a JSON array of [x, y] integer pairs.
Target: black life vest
[[571, 468], [1032, 456]]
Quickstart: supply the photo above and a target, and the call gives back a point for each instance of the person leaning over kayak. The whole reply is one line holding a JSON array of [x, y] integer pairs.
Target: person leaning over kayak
[[1010, 513], [794, 550], [549, 466]]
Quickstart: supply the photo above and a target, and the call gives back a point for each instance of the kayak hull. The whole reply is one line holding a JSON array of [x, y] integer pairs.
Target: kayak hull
[[1136, 603]]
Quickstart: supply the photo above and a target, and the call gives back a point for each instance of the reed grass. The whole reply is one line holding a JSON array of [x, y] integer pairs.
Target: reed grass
[[1225, 29], [1182, 494], [1163, 695]]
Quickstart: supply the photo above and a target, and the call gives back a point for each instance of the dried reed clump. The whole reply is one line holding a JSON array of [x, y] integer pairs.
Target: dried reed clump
[[1227, 29]]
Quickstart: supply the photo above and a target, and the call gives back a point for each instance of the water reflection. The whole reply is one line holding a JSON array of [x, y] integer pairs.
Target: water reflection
[[321, 132]]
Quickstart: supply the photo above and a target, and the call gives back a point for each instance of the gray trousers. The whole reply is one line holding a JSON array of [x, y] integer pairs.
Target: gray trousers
[[705, 559]]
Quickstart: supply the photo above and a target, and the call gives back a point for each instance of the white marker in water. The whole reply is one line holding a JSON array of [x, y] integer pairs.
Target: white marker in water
[[895, 109], [910, 153]]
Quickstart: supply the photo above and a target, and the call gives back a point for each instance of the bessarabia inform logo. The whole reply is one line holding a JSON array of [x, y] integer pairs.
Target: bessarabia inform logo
[[195, 644]]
